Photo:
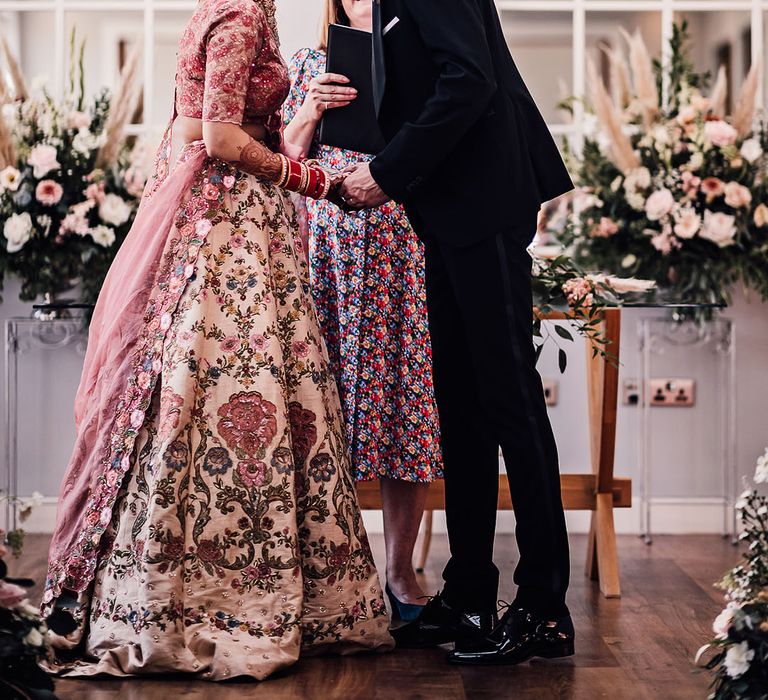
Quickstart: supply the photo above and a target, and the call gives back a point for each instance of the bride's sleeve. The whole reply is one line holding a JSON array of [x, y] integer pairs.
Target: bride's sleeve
[[232, 45]]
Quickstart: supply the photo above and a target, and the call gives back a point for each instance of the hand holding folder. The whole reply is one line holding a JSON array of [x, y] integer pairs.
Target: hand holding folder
[[354, 127]]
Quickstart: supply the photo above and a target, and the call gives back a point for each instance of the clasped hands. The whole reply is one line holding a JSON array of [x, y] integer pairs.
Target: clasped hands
[[354, 188]]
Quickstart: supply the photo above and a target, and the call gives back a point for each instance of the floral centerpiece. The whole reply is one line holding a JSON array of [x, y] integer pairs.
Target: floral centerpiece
[[22, 632], [69, 184], [672, 191], [740, 647]]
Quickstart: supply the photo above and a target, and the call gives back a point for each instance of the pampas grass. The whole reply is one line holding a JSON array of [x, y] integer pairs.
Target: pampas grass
[[642, 74], [621, 83], [719, 94], [744, 114], [19, 86], [621, 147], [123, 104]]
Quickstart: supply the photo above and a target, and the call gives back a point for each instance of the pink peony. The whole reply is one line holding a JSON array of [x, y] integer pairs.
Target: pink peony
[[42, 158], [659, 204], [719, 228], [49, 192], [720, 133], [737, 195]]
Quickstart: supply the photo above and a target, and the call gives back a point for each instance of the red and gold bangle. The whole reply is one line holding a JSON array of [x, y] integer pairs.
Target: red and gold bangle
[[314, 182], [304, 180], [294, 175], [284, 170], [326, 185]]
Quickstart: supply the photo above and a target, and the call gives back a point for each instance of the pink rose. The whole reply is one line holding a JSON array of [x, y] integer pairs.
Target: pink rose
[[229, 181], [737, 195], [49, 192], [578, 289], [665, 242], [237, 241], [659, 204], [252, 472], [42, 158], [719, 228], [300, 348], [210, 192], [720, 133]]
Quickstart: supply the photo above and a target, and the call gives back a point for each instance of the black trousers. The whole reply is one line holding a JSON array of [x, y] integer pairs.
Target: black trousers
[[489, 394]]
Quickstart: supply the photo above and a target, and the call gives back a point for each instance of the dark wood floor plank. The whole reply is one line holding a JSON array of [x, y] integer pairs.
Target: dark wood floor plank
[[640, 646]]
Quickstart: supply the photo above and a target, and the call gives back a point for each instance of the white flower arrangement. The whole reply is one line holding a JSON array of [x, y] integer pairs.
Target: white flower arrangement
[[740, 647]]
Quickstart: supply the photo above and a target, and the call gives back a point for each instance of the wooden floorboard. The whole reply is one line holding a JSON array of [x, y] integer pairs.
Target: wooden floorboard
[[640, 646]]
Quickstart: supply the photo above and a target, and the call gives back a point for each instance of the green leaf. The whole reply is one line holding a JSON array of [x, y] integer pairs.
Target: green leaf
[[563, 332]]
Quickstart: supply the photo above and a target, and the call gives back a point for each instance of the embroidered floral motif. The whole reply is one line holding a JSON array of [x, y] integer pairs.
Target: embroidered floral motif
[[248, 422]]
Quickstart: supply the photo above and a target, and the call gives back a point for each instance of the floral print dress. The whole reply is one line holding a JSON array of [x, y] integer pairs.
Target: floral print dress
[[222, 535], [368, 286]]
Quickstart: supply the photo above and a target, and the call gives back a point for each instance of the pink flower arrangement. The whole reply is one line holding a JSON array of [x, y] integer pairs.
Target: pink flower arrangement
[[720, 133]]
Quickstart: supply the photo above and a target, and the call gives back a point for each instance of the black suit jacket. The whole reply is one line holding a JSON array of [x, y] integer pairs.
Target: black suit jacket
[[467, 151]]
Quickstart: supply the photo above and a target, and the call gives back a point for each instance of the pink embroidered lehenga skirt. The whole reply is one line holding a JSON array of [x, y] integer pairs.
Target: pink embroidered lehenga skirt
[[208, 520]]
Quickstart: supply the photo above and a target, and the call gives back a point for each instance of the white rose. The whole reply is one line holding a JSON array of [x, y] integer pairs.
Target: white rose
[[659, 204], [103, 235], [761, 472], [751, 150], [687, 222], [18, 230], [719, 228], [114, 210], [10, 178], [723, 623], [33, 638], [737, 659]]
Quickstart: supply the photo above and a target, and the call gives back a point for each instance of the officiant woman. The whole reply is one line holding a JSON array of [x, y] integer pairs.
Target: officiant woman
[[368, 286]]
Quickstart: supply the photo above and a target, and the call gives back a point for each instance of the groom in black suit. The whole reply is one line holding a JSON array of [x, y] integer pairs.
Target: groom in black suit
[[471, 158]]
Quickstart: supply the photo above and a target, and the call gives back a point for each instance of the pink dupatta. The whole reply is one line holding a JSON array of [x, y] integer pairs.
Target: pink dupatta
[[132, 316]]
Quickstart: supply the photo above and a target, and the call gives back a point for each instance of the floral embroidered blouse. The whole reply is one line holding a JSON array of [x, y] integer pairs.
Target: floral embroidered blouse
[[229, 67]]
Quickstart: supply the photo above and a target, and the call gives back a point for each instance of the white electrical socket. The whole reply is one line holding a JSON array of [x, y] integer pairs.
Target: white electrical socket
[[672, 392]]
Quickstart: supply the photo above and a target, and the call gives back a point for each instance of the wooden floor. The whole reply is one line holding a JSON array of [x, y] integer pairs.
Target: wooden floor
[[638, 647]]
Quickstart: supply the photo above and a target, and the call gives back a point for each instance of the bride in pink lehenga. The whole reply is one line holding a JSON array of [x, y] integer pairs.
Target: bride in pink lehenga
[[208, 521]]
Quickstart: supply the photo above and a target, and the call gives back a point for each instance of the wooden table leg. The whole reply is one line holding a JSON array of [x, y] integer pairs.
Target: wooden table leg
[[603, 388], [426, 542]]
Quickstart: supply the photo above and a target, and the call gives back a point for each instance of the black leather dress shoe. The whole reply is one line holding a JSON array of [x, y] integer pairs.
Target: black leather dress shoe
[[439, 623], [520, 636]]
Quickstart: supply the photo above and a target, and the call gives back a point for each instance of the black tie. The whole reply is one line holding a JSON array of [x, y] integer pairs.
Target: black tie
[[379, 71]]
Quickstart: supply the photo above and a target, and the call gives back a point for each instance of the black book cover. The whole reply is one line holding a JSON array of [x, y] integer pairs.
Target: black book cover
[[353, 127]]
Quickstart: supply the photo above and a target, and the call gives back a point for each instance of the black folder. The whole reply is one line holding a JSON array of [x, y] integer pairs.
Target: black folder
[[355, 126]]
